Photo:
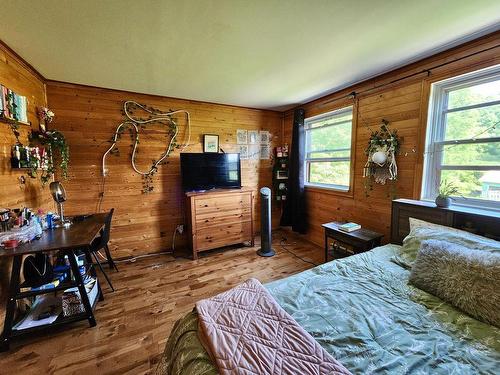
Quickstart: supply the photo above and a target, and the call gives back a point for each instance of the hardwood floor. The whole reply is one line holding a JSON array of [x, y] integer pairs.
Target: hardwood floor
[[133, 323]]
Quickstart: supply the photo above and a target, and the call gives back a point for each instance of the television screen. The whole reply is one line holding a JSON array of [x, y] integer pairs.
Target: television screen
[[210, 171]]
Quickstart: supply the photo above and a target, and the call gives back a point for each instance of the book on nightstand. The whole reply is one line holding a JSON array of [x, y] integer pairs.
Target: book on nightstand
[[349, 227]]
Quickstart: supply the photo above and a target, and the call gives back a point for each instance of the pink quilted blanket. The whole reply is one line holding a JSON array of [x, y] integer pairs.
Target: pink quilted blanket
[[246, 332]]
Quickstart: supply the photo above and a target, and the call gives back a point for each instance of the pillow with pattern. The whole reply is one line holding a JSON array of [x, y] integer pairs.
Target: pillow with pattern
[[422, 231], [467, 279]]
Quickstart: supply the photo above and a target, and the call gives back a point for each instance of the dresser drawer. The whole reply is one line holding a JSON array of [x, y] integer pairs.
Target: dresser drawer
[[228, 217], [221, 204], [223, 235]]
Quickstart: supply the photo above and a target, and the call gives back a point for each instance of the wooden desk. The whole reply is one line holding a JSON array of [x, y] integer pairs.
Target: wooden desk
[[360, 240], [78, 236]]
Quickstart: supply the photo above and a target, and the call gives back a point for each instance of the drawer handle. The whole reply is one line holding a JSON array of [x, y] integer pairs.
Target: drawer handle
[[206, 221], [206, 205]]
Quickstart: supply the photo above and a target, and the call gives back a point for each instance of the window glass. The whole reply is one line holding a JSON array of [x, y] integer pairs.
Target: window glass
[[328, 149], [463, 139]]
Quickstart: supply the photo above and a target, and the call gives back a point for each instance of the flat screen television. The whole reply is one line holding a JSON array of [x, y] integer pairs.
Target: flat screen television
[[210, 171]]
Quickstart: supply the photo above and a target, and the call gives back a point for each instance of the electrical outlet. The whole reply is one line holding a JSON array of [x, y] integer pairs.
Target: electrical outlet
[[180, 228]]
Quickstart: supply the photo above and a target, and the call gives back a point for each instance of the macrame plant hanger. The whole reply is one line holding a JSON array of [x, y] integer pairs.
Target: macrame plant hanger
[[381, 152]]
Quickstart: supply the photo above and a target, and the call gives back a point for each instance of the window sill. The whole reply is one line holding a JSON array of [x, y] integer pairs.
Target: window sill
[[330, 190], [471, 207]]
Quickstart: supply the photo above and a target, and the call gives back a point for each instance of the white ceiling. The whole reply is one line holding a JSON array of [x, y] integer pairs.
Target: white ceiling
[[261, 53]]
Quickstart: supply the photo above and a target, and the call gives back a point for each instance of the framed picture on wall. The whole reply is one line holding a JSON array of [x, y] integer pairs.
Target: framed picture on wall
[[210, 143], [253, 137], [241, 136]]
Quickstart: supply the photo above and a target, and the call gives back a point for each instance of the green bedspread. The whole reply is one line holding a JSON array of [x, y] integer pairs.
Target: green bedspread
[[363, 312]]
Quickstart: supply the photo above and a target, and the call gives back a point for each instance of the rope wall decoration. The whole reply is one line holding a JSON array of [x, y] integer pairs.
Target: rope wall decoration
[[135, 124]]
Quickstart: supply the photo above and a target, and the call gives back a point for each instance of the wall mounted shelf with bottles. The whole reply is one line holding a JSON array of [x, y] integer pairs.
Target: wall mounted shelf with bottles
[[28, 158]]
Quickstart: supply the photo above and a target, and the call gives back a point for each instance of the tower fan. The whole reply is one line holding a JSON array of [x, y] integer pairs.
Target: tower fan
[[265, 224]]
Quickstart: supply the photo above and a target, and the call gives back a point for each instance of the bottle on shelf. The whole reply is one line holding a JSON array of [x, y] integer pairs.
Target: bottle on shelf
[[15, 160]]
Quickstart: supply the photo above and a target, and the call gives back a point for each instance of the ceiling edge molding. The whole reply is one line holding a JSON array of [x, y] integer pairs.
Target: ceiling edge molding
[[22, 61], [49, 82]]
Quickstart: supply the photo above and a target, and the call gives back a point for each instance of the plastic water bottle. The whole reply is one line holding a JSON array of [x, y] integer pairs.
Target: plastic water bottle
[[50, 220]]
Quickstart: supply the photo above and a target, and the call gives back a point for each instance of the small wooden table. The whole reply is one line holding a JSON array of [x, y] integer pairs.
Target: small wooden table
[[70, 239], [360, 240]]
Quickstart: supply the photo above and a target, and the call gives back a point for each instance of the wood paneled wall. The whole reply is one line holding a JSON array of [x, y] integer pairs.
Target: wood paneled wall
[[19, 77], [144, 223], [16, 75], [404, 104]]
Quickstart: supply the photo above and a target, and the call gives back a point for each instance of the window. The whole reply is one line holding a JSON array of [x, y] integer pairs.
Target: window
[[463, 138], [328, 149]]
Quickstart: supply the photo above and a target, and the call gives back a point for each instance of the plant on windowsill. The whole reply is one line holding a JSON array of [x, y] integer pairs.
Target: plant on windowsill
[[446, 191]]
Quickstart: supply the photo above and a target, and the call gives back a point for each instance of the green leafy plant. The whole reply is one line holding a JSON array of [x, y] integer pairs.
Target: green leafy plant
[[383, 138], [54, 142], [447, 189], [15, 130]]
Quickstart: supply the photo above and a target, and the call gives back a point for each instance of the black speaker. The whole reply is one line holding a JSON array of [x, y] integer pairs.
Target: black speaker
[[265, 224]]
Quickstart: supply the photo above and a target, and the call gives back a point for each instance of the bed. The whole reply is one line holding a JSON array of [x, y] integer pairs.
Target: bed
[[363, 311]]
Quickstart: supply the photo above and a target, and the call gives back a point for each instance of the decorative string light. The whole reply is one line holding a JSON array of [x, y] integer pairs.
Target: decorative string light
[[134, 122], [156, 116]]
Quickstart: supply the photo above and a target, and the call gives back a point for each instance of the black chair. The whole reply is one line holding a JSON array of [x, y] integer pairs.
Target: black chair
[[101, 242]]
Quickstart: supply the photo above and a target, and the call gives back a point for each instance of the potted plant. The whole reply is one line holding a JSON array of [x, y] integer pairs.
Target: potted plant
[[446, 190]]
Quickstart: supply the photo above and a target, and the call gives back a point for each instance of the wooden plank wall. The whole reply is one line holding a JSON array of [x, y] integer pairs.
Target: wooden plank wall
[[404, 104], [19, 77], [144, 223]]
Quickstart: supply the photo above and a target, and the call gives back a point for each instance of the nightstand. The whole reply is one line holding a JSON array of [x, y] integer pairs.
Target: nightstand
[[355, 242]]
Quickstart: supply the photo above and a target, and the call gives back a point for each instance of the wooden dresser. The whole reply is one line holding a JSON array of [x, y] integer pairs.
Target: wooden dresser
[[218, 218]]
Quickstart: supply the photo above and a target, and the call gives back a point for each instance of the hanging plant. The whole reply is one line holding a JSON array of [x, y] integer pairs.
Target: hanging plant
[[381, 151], [54, 142], [55, 146], [15, 130]]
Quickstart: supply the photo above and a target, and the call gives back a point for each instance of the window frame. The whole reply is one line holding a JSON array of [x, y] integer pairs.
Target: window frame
[[436, 126], [308, 160]]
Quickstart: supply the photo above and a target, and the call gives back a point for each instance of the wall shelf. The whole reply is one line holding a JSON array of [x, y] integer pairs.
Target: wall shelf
[[7, 120]]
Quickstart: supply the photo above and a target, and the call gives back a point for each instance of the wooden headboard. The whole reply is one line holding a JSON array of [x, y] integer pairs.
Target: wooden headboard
[[482, 222]]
